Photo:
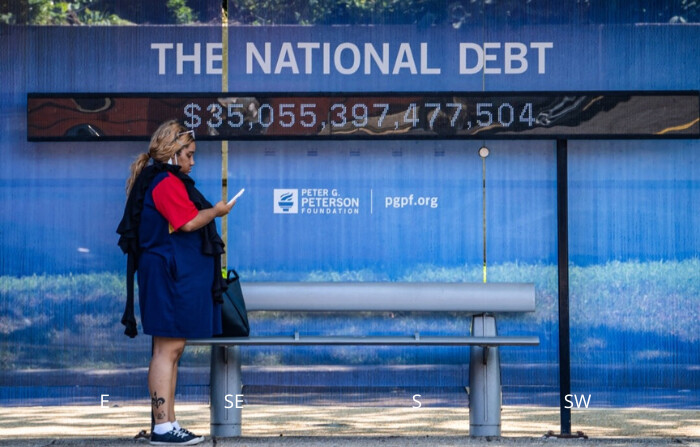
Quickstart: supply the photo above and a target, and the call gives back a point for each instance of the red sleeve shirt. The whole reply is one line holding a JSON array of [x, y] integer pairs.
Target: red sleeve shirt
[[172, 201]]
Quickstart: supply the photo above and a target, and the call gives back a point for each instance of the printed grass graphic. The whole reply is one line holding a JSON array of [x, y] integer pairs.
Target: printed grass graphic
[[54, 321]]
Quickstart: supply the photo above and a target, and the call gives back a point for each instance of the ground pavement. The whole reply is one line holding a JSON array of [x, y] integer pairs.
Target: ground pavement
[[298, 426]]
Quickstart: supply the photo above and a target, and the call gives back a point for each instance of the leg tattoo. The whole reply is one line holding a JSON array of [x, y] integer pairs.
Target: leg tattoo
[[157, 401]]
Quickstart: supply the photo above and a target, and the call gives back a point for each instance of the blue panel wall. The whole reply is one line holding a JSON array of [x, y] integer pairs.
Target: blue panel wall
[[634, 238], [635, 277]]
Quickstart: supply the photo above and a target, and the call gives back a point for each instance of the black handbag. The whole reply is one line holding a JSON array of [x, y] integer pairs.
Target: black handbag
[[234, 316]]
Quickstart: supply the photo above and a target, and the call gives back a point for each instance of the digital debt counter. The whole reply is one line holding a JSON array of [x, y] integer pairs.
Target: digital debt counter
[[412, 115]]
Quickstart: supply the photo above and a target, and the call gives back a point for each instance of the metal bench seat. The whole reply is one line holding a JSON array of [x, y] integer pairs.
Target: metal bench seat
[[478, 299], [381, 340]]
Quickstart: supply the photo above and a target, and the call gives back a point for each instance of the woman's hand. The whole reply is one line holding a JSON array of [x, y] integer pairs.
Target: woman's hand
[[207, 215], [222, 208]]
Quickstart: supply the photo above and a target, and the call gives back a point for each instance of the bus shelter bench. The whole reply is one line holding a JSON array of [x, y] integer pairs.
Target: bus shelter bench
[[481, 300]]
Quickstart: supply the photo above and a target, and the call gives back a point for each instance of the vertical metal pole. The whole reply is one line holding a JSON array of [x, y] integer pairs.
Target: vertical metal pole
[[483, 195], [484, 381], [563, 268], [226, 415], [224, 144], [483, 153]]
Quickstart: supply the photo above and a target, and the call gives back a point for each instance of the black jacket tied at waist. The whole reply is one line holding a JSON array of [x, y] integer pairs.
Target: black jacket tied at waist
[[128, 229]]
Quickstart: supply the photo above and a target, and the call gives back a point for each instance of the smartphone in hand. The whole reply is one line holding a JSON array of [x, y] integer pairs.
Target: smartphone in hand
[[240, 193]]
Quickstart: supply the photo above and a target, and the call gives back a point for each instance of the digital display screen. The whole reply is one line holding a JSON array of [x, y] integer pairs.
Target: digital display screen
[[248, 116]]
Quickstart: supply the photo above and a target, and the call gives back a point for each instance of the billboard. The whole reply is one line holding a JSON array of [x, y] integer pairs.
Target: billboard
[[351, 209]]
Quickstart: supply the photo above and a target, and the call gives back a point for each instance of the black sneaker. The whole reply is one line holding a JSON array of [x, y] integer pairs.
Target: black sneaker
[[176, 437]]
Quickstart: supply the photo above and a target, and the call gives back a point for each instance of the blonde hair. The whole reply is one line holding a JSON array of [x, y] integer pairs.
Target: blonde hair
[[166, 142]]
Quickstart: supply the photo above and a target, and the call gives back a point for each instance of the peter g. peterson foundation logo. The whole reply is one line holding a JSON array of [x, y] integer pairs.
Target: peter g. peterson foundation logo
[[319, 201], [286, 201]]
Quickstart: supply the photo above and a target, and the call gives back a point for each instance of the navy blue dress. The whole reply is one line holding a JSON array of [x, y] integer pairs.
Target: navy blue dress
[[175, 278]]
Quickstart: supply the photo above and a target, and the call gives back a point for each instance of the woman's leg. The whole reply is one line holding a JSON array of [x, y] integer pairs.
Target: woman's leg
[[161, 376], [173, 386]]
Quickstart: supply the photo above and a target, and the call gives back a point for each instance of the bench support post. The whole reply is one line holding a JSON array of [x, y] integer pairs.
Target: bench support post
[[225, 381], [484, 381]]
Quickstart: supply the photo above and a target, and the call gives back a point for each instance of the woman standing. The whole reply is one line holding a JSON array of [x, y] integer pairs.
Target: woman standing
[[169, 233]]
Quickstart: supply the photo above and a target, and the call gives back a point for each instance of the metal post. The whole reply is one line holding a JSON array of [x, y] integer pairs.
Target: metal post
[[563, 267], [225, 385], [484, 381]]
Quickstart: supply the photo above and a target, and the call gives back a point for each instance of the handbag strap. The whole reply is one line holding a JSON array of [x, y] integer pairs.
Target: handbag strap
[[232, 276]]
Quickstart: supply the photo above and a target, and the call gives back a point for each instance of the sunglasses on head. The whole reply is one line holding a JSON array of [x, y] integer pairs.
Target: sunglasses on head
[[191, 131]]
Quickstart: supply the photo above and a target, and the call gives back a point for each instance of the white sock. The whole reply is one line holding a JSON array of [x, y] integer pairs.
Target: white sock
[[176, 426], [163, 428]]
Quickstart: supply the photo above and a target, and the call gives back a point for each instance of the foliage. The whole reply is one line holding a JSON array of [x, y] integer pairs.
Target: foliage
[[458, 13], [180, 12], [454, 13], [48, 12], [337, 12], [102, 12]]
